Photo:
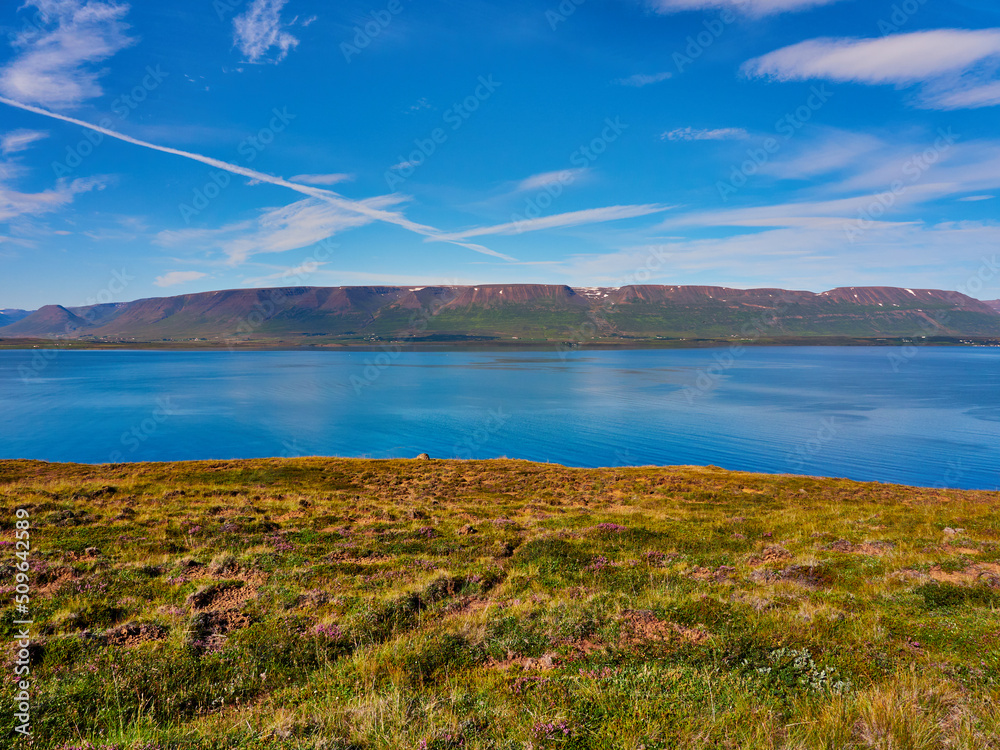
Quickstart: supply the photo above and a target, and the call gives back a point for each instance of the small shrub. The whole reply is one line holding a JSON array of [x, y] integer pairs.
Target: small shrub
[[948, 595]]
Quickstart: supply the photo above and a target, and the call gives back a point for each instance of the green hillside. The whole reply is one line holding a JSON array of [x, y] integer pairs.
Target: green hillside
[[325, 603], [526, 312]]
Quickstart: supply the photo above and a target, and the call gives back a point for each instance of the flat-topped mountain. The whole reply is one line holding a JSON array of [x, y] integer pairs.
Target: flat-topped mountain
[[995, 304], [524, 311]]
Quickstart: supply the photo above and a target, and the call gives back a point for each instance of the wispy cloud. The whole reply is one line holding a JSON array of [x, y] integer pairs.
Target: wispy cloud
[[56, 66], [699, 134], [834, 150], [750, 7], [363, 208], [19, 140], [276, 230], [298, 225], [259, 29], [545, 179], [802, 213], [953, 64], [341, 277], [559, 221], [643, 79], [14, 203], [322, 179], [178, 277], [296, 275], [977, 198], [971, 96]]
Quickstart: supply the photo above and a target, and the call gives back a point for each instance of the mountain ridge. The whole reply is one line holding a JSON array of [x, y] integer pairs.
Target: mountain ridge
[[530, 311], [12, 315]]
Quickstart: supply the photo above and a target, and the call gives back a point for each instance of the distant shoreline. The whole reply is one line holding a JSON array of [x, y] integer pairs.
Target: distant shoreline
[[492, 344]]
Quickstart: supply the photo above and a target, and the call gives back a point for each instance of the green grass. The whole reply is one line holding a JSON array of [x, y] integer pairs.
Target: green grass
[[328, 603]]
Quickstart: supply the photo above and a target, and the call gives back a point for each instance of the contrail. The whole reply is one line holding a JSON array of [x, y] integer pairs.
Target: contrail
[[329, 196]]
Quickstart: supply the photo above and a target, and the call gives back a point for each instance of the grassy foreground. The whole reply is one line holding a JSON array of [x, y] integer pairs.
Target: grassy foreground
[[326, 603]]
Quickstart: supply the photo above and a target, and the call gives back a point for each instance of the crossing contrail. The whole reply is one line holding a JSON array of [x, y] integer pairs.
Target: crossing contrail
[[388, 217]]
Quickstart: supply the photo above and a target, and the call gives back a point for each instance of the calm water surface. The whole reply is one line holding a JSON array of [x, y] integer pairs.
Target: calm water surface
[[930, 419]]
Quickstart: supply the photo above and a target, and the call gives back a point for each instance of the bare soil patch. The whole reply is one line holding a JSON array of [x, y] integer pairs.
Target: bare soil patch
[[134, 634]]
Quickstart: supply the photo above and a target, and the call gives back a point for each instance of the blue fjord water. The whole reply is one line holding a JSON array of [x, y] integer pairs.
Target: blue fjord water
[[926, 416]]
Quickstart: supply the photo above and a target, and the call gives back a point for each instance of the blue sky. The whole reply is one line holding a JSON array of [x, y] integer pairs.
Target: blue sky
[[805, 144]]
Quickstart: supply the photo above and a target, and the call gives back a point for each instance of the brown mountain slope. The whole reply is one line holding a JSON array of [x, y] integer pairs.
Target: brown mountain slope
[[880, 295], [51, 320], [537, 311], [10, 315]]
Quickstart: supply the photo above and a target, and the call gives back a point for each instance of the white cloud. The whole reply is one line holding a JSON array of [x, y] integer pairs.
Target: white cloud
[[833, 151], [558, 221], [970, 167], [297, 225], [322, 179], [977, 198], [642, 79], [55, 64], [955, 65], [750, 7], [178, 277], [900, 59], [545, 179], [19, 140], [367, 208], [341, 277], [970, 97], [297, 276], [14, 203], [804, 213], [700, 134], [944, 256], [259, 29], [276, 230]]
